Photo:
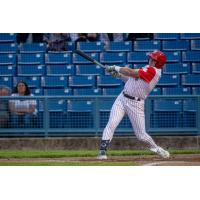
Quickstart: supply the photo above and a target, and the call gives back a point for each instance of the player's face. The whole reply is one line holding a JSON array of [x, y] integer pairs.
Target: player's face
[[152, 62]]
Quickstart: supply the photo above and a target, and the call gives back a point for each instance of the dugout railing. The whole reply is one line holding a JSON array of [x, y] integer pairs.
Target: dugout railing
[[88, 115]]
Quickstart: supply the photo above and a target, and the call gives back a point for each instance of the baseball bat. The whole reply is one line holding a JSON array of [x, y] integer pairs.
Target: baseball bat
[[81, 53]]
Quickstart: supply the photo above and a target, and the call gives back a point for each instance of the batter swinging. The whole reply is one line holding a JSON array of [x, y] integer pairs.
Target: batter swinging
[[138, 84]]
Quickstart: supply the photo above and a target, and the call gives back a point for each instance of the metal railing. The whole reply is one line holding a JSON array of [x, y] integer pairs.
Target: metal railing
[[63, 120]]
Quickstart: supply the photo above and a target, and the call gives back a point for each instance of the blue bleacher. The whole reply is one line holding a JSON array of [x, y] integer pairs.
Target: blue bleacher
[[57, 91], [147, 45], [7, 81], [113, 57], [195, 45], [119, 46], [166, 36], [108, 81], [70, 46], [191, 56], [58, 58], [177, 68], [32, 81], [173, 56], [37, 91], [176, 91], [112, 91], [9, 48], [191, 80], [54, 81], [167, 105], [89, 70], [79, 106], [196, 90], [137, 57], [156, 91], [90, 46], [77, 59], [32, 48], [176, 45], [57, 105], [82, 81], [190, 35], [7, 37], [7, 70], [169, 80], [7, 59], [31, 59], [62, 69], [196, 68], [31, 70], [87, 91]]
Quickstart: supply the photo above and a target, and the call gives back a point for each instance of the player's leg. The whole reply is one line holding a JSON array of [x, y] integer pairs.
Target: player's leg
[[116, 115], [137, 118]]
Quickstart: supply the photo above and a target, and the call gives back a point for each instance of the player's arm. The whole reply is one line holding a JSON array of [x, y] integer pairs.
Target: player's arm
[[128, 72]]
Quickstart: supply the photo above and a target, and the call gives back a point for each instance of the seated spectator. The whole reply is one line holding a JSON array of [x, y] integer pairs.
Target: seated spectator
[[135, 36], [23, 112], [4, 107], [92, 37], [34, 37], [56, 41], [111, 37]]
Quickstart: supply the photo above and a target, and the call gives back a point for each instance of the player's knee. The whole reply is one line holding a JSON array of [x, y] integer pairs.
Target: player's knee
[[141, 137]]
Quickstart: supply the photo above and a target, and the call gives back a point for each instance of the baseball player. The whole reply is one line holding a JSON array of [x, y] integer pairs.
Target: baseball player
[[138, 84]]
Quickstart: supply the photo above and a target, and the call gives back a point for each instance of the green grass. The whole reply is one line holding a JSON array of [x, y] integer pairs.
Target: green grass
[[80, 153]]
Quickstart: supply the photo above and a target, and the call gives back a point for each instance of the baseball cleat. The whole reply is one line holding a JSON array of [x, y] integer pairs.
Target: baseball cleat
[[102, 155], [163, 153]]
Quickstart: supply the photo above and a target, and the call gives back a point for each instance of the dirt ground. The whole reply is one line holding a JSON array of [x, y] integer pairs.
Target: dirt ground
[[175, 160]]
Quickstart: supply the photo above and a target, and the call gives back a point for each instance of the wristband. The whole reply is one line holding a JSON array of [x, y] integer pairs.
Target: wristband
[[117, 68]]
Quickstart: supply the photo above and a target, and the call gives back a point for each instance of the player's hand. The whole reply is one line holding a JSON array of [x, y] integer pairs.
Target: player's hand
[[115, 74], [110, 69]]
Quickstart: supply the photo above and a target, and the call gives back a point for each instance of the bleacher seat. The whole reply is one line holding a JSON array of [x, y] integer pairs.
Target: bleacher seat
[[9, 48], [176, 45], [32, 48], [7, 37], [196, 90], [169, 80], [138, 65], [191, 56], [37, 91], [57, 105], [70, 46], [7, 59], [7, 81], [173, 56], [190, 108], [31, 70], [177, 68], [166, 36], [62, 69], [7, 70], [196, 68], [31, 59], [87, 91], [119, 46], [58, 58], [32, 81], [77, 59], [190, 36], [147, 45], [112, 91], [90, 46], [166, 113], [176, 91], [79, 113], [89, 70], [191, 80], [54, 81], [113, 57], [82, 81], [108, 81], [57, 91], [156, 91], [137, 57]]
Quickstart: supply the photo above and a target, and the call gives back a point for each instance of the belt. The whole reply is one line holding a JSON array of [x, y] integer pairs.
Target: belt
[[130, 97]]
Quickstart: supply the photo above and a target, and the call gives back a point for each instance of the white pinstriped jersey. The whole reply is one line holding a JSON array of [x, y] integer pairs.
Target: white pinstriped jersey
[[141, 87]]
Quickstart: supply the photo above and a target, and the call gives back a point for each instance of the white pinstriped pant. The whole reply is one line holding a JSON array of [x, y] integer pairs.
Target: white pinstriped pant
[[135, 111]]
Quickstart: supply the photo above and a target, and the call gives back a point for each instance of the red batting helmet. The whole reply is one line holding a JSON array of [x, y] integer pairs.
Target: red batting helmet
[[159, 57]]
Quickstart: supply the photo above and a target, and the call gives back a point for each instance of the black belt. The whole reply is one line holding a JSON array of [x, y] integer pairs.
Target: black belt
[[130, 97]]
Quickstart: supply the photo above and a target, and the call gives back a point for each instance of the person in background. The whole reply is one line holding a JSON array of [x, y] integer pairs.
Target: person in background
[[4, 107], [29, 37], [136, 36], [23, 112]]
